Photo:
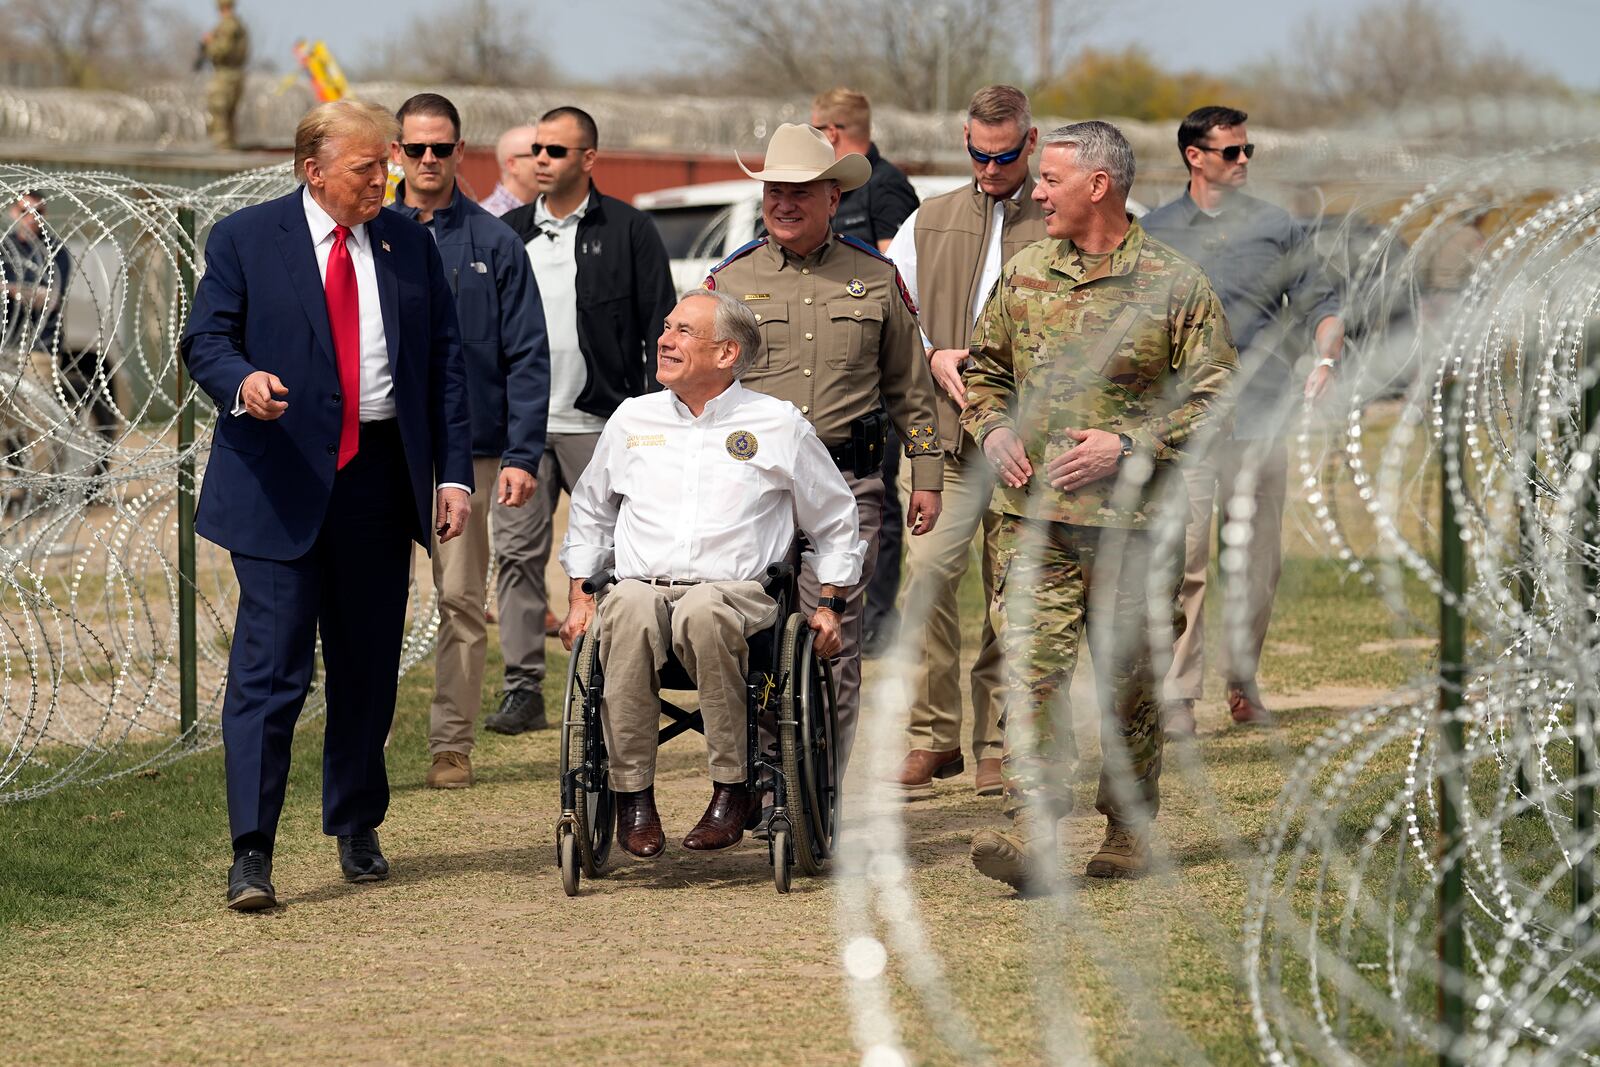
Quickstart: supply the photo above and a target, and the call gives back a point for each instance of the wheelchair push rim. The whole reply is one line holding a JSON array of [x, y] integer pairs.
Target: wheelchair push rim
[[807, 738]]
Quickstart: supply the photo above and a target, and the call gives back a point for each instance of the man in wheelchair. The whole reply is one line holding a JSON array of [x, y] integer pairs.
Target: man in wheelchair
[[692, 493]]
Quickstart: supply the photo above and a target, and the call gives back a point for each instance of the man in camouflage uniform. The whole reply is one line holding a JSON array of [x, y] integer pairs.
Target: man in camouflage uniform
[[227, 48], [1100, 354], [839, 342]]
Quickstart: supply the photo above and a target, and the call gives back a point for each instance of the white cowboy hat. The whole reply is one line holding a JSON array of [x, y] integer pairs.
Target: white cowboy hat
[[800, 153]]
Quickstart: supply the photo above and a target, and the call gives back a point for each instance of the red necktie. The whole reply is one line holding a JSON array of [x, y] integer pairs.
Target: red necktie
[[344, 318]]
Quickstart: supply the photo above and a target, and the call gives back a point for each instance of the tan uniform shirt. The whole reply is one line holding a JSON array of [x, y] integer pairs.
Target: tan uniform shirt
[[838, 332]]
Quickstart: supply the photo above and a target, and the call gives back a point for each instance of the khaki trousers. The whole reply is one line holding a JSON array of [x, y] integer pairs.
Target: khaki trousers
[[461, 578], [1247, 480], [931, 626], [522, 539], [706, 626], [847, 665]]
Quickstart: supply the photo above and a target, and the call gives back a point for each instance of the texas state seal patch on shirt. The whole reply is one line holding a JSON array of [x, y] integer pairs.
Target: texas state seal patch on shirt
[[742, 444]]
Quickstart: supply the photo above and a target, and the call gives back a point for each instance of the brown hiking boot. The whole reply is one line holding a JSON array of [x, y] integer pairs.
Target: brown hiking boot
[[1177, 719], [1244, 704], [450, 770], [1023, 857], [1125, 853]]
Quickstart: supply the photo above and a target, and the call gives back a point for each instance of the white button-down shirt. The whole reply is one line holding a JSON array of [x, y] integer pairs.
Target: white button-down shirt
[[377, 384], [553, 252], [903, 250], [713, 498]]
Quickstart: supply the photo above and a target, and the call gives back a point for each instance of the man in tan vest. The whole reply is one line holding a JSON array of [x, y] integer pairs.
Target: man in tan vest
[[950, 252]]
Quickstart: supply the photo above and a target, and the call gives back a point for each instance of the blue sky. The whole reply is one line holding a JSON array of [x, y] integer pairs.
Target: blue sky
[[608, 37]]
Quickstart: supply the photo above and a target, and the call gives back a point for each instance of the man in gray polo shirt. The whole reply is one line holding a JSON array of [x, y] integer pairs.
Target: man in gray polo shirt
[[1258, 259]]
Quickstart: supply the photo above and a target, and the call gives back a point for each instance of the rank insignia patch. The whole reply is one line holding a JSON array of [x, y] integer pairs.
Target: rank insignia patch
[[856, 288], [742, 445]]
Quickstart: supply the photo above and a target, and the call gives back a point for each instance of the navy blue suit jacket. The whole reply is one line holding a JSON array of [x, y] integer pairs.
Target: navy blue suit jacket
[[261, 306]]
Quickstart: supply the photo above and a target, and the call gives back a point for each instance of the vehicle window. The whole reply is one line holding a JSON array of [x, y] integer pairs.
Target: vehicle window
[[681, 227]]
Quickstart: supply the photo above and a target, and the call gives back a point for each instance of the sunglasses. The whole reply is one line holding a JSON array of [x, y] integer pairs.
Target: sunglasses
[[555, 151], [440, 151], [1002, 158], [1230, 154]]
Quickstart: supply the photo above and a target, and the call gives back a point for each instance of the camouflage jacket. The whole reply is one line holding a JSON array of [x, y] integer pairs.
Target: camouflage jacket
[[228, 48], [1138, 346]]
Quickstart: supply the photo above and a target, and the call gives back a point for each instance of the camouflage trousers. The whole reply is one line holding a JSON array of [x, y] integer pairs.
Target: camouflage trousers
[[1055, 582], [222, 107]]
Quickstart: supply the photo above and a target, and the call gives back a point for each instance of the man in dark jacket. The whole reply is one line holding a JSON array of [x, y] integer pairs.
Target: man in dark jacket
[[508, 386], [607, 286]]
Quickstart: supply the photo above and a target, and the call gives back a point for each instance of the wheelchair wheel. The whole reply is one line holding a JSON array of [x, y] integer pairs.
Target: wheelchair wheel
[[779, 846], [571, 865], [583, 749], [808, 748]]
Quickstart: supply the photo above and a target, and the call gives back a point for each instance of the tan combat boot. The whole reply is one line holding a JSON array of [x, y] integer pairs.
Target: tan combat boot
[[1023, 857], [450, 770], [1125, 853]]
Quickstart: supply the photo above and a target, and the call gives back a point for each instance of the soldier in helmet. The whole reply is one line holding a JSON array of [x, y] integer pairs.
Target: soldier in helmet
[[1099, 356], [227, 48], [840, 342]]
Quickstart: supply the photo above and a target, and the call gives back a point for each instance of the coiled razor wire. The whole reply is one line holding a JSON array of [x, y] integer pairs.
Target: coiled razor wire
[[1341, 921], [1473, 319], [90, 319]]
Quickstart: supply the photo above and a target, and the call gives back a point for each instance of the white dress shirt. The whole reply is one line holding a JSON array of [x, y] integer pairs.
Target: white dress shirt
[[377, 381], [903, 250], [554, 255], [668, 495]]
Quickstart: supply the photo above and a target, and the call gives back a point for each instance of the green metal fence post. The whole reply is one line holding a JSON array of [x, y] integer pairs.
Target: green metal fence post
[[187, 650], [1452, 654]]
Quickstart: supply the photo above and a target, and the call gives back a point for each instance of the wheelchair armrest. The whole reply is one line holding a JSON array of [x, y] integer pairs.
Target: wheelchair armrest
[[596, 582], [778, 575]]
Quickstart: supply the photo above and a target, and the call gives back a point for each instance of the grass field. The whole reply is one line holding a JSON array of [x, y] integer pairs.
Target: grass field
[[117, 948]]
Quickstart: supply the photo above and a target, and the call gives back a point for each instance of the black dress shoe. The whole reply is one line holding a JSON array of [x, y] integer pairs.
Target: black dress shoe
[[250, 881], [722, 826], [520, 710], [638, 825], [360, 858]]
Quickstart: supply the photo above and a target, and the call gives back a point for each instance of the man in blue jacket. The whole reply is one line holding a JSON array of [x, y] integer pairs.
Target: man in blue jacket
[[324, 330], [508, 382]]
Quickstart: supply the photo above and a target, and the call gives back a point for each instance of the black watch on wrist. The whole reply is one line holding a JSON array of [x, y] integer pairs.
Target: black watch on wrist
[[1127, 447], [834, 604]]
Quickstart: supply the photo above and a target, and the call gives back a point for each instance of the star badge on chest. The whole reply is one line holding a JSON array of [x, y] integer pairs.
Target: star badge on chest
[[856, 288], [742, 445]]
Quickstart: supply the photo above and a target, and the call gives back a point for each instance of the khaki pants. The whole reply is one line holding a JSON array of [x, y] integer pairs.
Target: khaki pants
[[461, 578], [847, 665], [1254, 474], [931, 626], [706, 626], [522, 539]]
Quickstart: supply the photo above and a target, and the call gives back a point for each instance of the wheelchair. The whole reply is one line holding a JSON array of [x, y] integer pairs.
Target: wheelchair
[[786, 683]]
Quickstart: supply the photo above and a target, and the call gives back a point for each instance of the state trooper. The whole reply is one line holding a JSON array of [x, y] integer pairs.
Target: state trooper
[[1100, 357], [841, 343]]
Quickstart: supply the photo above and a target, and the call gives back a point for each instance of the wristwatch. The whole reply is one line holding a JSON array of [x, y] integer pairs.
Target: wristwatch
[[1127, 447], [834, 604]]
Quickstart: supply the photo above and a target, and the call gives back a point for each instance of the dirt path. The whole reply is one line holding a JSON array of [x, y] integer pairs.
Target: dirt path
[[472, 952]]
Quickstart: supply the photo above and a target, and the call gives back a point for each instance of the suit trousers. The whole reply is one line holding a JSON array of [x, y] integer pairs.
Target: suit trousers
[[351, 587], [930, 635], [869, 494], [461, 579], [1247, 480], [522, 539], [707, 626]]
